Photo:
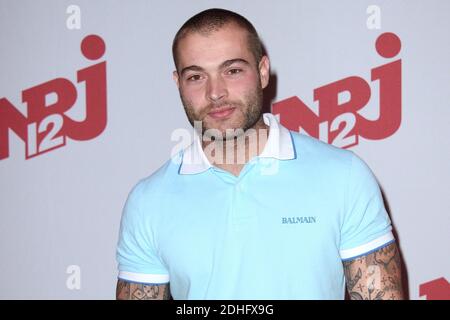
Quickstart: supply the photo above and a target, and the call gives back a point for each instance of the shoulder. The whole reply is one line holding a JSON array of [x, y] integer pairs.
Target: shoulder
[[311, 149], [157, 183], [149, 195], [330, 160]]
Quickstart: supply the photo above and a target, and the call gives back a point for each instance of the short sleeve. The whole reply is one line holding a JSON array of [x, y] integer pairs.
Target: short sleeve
[[366, 225], [137, 258]]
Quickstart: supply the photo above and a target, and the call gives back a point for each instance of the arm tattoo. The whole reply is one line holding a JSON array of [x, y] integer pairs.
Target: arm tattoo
[[376, 276], [136, 291]]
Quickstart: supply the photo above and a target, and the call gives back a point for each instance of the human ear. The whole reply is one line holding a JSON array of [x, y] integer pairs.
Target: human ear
[[264, 71]]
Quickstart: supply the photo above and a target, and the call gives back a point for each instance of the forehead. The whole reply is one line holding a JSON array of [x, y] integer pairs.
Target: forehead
[[209, 50]]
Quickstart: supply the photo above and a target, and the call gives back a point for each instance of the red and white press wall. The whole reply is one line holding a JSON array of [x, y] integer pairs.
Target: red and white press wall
[[88, 106]]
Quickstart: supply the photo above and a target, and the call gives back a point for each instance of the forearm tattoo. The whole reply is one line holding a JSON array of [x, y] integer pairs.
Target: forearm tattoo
[[376, 276], [135, 291]]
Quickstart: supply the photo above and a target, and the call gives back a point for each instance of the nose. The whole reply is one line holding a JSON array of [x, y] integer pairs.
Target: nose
[[216, 89]]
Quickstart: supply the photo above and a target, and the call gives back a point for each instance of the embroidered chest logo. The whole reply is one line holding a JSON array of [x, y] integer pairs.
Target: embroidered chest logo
[[298, 220]]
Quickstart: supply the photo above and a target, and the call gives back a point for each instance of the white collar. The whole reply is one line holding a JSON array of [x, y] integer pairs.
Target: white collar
[[279, 145]]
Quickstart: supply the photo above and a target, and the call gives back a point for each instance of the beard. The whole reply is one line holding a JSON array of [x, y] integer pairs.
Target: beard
[[250, 108]]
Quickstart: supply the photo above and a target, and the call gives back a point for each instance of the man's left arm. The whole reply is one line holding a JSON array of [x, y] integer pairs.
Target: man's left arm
[[375, 276]]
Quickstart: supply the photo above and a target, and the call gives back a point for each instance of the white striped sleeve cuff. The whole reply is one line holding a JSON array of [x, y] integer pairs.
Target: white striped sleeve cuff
[[143, 277], [367, 248]]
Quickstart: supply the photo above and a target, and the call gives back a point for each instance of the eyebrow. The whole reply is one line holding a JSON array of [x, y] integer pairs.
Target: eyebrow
[[224, 64]]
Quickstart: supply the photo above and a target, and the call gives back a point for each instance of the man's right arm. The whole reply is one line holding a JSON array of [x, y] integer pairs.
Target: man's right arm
[[136, 291]]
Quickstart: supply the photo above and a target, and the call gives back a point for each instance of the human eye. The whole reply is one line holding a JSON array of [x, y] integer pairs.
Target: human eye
[[194, 77], [234, 71]]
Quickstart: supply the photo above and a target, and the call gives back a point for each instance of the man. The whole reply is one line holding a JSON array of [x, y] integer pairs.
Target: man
[[290, 218]]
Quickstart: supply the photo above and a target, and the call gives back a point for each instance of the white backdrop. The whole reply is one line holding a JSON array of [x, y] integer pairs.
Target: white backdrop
[[64, 179]]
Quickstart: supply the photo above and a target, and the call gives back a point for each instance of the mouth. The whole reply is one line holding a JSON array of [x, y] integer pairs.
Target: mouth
[[222, 113]]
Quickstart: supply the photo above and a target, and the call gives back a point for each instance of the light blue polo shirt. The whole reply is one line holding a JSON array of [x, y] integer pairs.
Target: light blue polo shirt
[[280, 230]]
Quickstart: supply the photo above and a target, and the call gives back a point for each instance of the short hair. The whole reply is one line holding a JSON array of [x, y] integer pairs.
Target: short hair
[[214, 19]]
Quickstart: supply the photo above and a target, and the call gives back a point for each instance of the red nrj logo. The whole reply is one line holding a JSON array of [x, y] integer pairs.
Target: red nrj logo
[[438, 289], [340, 124], [46, 127]]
